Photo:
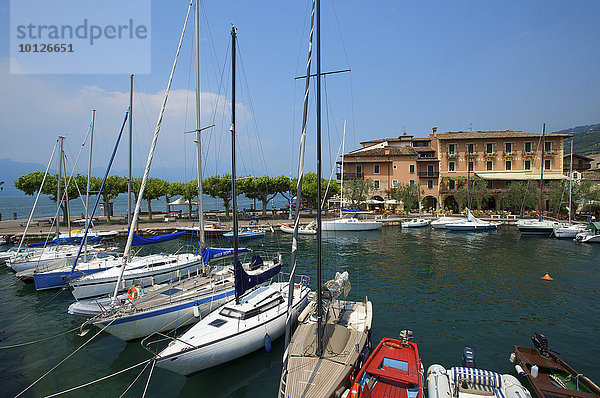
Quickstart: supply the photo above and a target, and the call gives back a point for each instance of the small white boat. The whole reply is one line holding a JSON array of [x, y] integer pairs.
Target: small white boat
[[350, 224], [536, 227], [48, 255], [467, 382], [563, 231], [233, 330], [590, 235], [472, 223], [441, 222], [246, 234], [141, 271], [415, 223], [309, 229]]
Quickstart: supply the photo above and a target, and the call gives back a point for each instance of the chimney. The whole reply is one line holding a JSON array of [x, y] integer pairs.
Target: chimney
[[434, 129]]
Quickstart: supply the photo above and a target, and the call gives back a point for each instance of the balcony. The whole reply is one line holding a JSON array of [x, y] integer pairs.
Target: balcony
[[549, 153], [452, 155], [510, 155], [429, 174], [489, 155], [528, 154], [471, 155], [350, 176]]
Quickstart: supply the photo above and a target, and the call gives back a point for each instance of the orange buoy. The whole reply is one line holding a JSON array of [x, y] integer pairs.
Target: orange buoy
[[547, 277]]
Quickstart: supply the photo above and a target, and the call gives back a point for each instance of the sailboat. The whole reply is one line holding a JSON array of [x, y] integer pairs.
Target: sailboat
[[333, 335], [350, 222], [539, 226], [253, 319]]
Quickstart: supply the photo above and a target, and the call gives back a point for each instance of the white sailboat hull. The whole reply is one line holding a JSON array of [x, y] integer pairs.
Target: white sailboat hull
[[568, 231], [205, 346], [350, 224]]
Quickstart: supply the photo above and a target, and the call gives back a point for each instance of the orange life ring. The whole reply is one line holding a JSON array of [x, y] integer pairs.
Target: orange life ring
[[393, 345], [355, 391], [132, 293]]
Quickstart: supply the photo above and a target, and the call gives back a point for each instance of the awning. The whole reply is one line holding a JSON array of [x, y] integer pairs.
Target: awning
[[182, 202], [518, 176]]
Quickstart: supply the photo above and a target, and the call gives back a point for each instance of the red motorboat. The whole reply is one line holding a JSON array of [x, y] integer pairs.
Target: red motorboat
[[393, 369]]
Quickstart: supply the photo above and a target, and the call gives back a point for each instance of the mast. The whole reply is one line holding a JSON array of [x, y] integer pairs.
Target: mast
[[129, 181], [87, 196], [342, 183], [58, 198], [542, 169], [570, 181], [233, 184], [198, 143], [319, 232]]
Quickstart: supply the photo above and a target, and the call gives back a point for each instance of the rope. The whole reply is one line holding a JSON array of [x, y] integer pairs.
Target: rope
[[61, 362], [38, 341], [134, 380], [149, 376], [97, 380]]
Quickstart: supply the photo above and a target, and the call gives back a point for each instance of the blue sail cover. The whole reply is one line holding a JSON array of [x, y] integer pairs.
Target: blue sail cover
[[141, 241], [64, 241], [244, 282], [355, 211], [212, 253]]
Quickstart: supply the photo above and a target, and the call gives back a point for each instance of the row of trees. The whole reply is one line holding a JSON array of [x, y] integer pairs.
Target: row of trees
[[263, 188]]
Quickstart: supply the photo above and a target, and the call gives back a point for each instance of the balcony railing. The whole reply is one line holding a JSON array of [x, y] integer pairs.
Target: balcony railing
[[452, 155], [471, 155], [350, 176], [528, 154], [429, 174], [490, 154], [549, 153], [510, 155]]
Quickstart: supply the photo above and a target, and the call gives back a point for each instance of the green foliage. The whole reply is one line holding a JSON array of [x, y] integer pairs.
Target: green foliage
[[113, 186], [586, 139], [358, 191], [309, 189], [409, 194], [263, 188], [521, 195], [219, 187], [30, 183], [187, 190]]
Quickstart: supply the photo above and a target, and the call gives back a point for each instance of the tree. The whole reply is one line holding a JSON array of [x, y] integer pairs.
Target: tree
[[187, 190], [155, 188], [521, 195], [309, 189], [113, 186], [479, 193], [409, 194], [263, 188], [30, 183], [358, 191], [219, 187]]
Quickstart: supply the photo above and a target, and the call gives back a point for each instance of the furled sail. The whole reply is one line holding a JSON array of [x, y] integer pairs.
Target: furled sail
[[245, 281], [141, 240]]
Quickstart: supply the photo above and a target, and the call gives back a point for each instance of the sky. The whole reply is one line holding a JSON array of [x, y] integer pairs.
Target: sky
[[456, 65]]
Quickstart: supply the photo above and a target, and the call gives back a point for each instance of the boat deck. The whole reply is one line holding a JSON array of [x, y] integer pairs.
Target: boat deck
[[346, 335]]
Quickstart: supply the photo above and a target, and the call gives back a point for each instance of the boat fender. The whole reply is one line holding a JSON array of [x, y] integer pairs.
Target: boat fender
[[196, 311], [132, 293], [512, 357], [519, 370], [355, 391], [267, 342], [392, 345]]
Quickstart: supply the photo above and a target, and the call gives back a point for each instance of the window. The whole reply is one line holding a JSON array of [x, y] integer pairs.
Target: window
[[358, 169], [489, 165], [470, 148], [395, 167], [547, 164], [508, 148], [430, 184], [411, 182], [508, 165], [411, 168], [375, 169], [452, 184], [376, 158], [451, 149], [376, 184], [412, 158], [450, 166], [394, 183], [527, 165], [528, 147], [430, 170], [489, 148], [490, 184], [471, 165], [548, 146]]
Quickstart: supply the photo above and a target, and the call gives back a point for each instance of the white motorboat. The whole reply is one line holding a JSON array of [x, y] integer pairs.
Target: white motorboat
[[568, 230], [467, 382], [441, 222], [246, 234], [350, 224], [309, 229], [536, 227], [141, 271], [590, 235], [415, 223], [48, 255]]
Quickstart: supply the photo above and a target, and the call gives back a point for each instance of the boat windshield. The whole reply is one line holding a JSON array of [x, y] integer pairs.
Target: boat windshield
[[237, 314]]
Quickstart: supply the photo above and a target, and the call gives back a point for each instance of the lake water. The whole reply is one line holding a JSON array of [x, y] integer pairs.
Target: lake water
[[451, 289]]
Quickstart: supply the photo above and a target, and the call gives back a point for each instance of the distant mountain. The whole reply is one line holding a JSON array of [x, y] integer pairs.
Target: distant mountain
[[11, 170], [586, 139]]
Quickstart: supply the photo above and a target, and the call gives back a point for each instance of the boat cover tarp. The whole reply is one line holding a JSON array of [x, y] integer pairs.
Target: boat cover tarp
[[141, 241], [65, 241], [355, 211], [212, 253], [244, 281]]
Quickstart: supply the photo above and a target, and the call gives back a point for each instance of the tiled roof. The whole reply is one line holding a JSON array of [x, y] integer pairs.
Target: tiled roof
[[403, 150], [465, 135]]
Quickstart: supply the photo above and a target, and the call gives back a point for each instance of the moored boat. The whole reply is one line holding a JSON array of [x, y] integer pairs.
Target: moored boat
[[443, 221], [350, 224], [590, 235], [415, 223], [393, 369], [246, 234], [550, 376], [308, 229]]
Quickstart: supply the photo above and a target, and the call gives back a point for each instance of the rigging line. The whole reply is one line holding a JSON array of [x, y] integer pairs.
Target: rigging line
[[149, 376], [61, 362], [98, 380], [136, 379], [185, 118], [38, 341], [36, 310]]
